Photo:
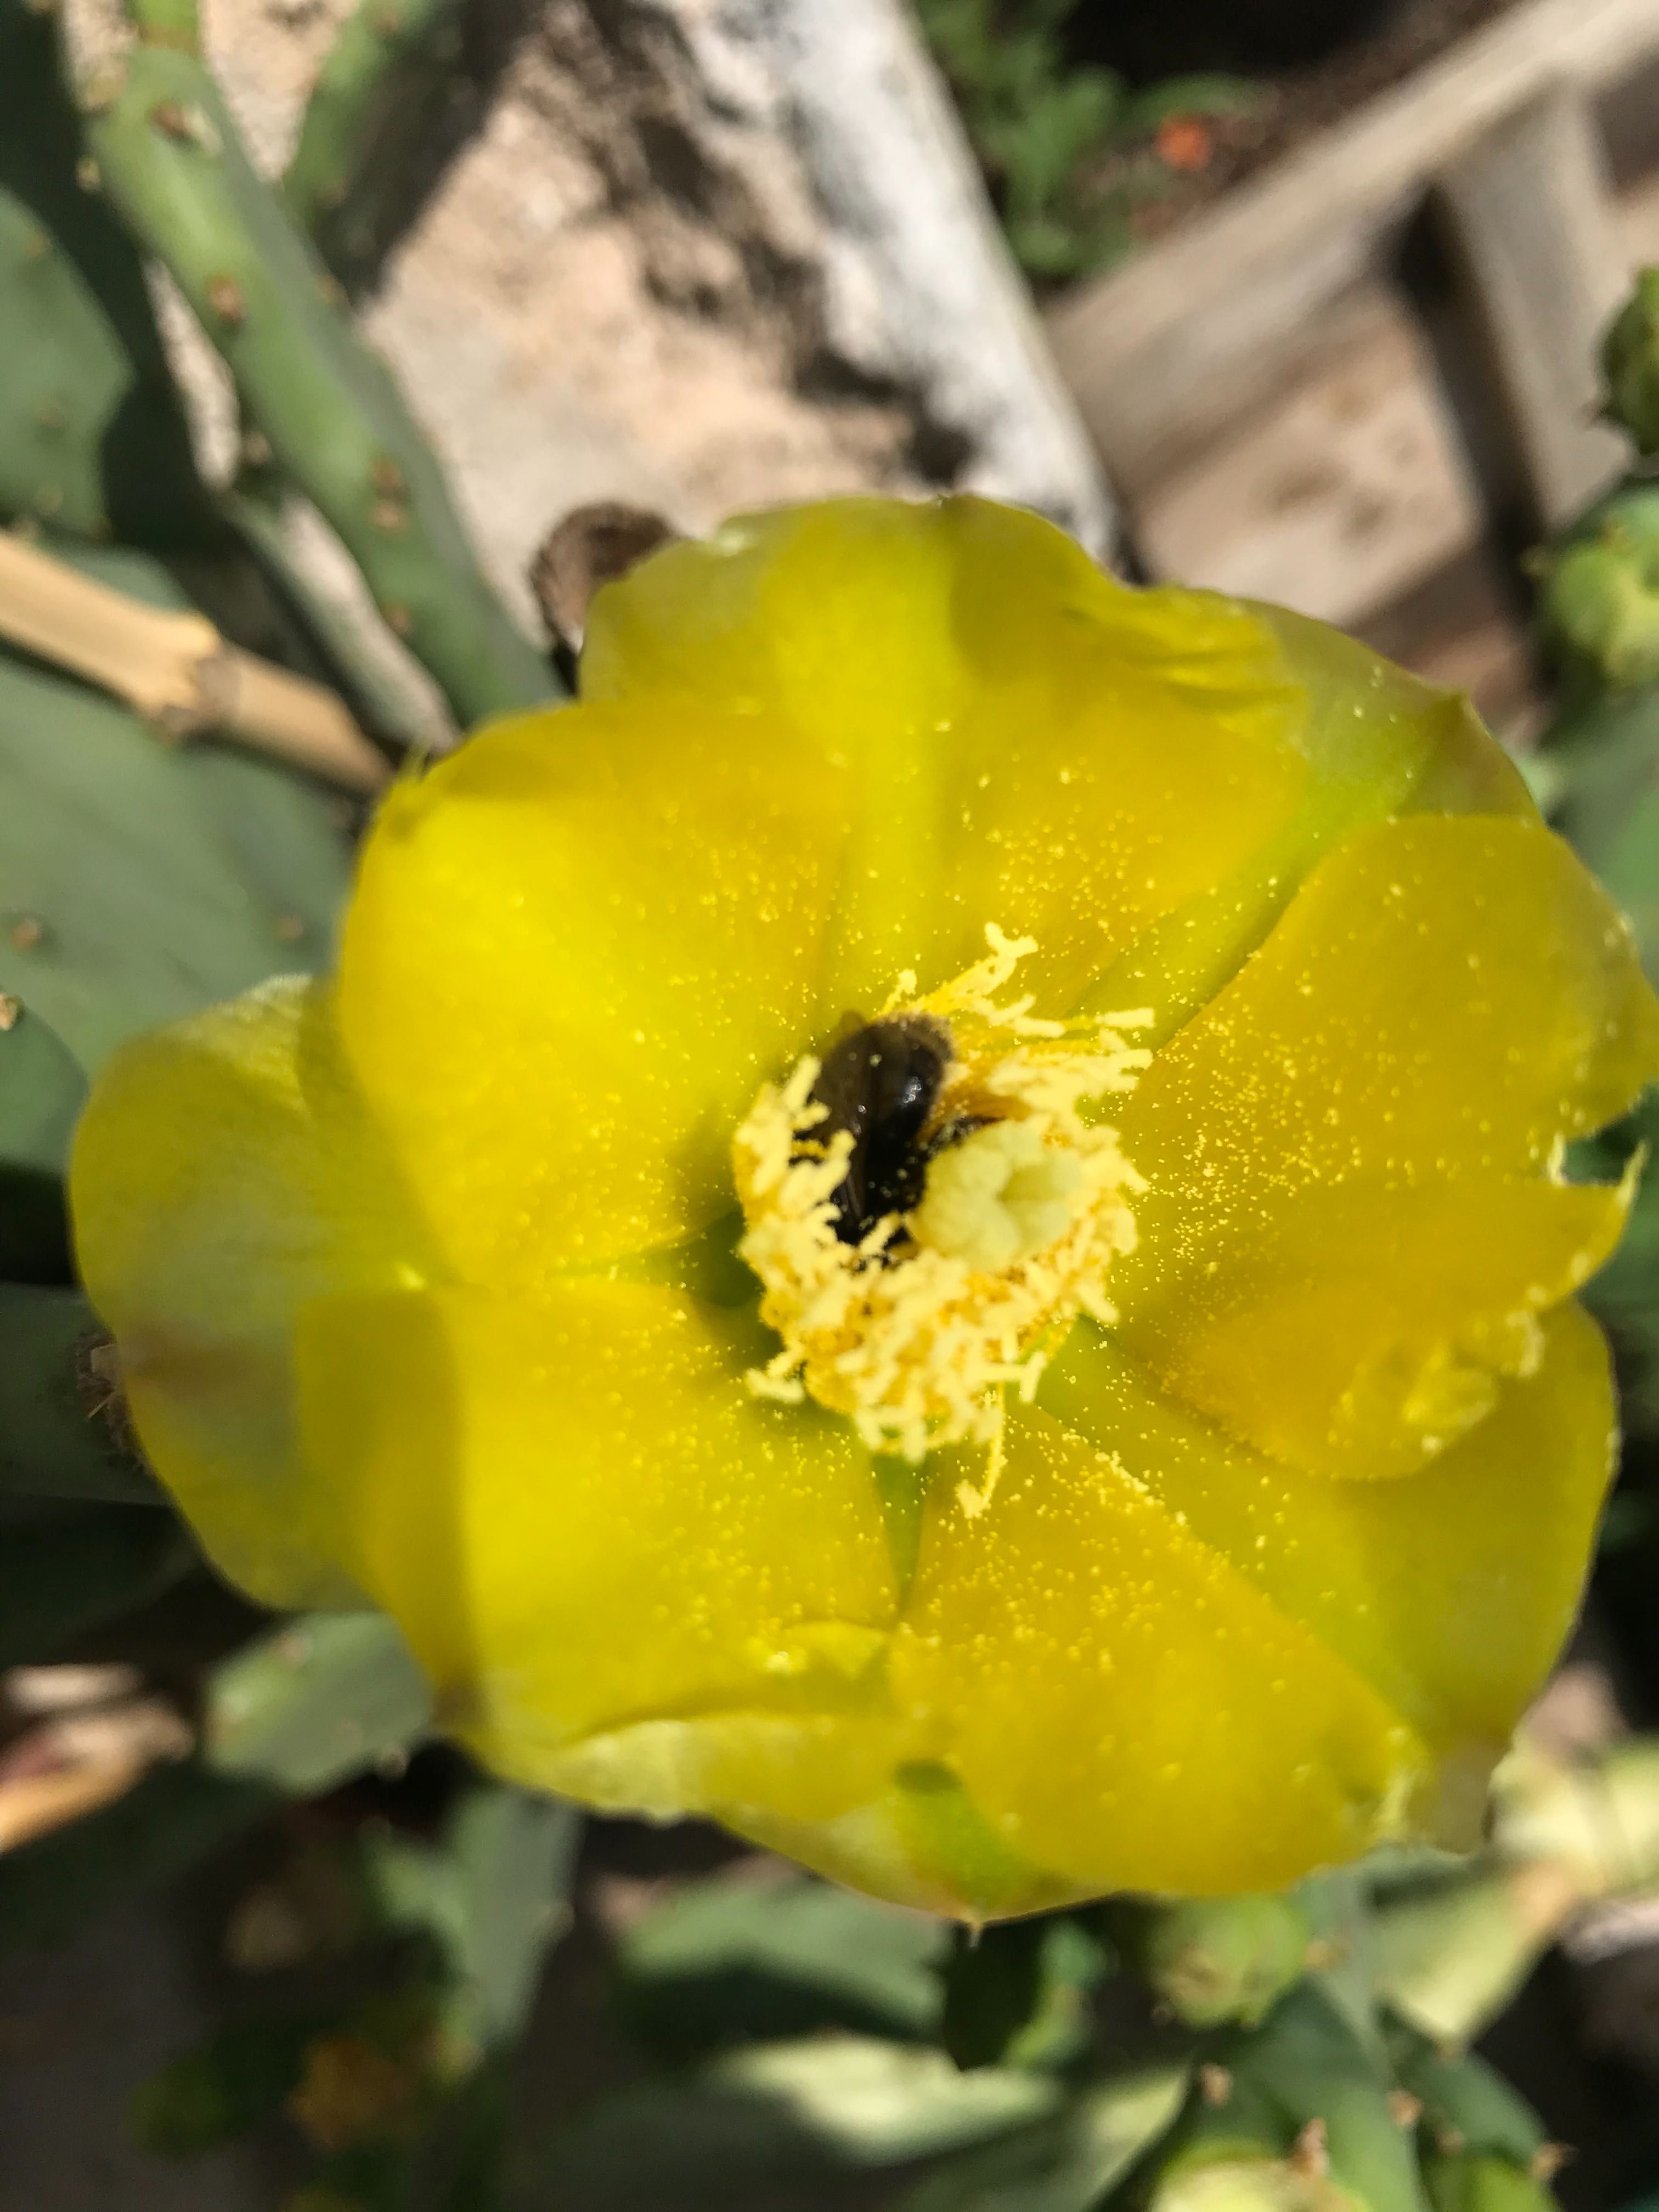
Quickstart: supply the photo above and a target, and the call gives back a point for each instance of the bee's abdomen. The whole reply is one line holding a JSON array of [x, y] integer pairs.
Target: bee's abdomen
[[881, 1084]]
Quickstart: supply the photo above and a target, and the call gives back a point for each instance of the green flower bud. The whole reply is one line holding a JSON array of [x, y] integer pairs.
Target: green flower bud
[[1237, 2150], [1601, 593], [1479, 2182], [1249, 2185], [1224, 1958]]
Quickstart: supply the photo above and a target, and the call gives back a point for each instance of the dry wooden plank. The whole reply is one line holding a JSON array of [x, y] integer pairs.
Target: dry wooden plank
[[1336, 497], [1531, 212], [1163, 352], [1350, 485]]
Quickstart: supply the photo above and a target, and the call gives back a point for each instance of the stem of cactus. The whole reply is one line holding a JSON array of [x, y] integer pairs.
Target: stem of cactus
[[1464, 2106], [177, 670], [171, 160], [385, 701], [369, 79]]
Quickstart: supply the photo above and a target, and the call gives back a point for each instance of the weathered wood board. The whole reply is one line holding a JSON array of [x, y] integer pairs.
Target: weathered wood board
[[1338, 494], [1164, 353], [1530, 211], [1346, 487]]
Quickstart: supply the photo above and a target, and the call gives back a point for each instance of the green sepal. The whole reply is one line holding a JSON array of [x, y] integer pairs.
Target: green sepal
[[143, 883]]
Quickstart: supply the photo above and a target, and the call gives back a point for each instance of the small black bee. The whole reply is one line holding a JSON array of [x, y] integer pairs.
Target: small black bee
[[882, 1082]]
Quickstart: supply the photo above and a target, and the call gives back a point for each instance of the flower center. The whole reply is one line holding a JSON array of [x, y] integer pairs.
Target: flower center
[[931, 1205]]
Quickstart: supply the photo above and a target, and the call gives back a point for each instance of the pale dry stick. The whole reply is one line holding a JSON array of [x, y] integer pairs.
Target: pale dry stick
[[34, 1806], [77, 1759], [175, 670]]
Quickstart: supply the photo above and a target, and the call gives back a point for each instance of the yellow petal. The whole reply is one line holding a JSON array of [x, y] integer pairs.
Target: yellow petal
[[1450, 1591], [1376, 742], [1027, 734], [576, 948], [223, 1174], [1372, 725], [923, 1843], [628, 1577], [1339, 1246], [1363, 1327], [1123, 1707]]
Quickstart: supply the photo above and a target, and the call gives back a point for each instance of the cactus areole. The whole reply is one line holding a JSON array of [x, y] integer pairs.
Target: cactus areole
[[933, 1225]]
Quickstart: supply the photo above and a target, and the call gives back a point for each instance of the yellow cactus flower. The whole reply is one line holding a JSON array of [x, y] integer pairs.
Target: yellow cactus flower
[[934, 1225]]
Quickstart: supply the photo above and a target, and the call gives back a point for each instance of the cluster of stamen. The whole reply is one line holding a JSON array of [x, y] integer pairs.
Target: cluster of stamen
[[918, 1323]]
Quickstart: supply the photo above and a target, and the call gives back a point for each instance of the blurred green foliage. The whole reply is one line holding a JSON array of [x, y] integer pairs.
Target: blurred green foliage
[[786, 1958], [1071, 151]]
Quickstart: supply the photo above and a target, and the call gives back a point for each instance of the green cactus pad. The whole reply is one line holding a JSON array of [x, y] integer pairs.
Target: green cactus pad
[[41, 1091], [315, 1701], [491, 1896], [63, 1430], [69, 1567], [93, 438], [139, 882]]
